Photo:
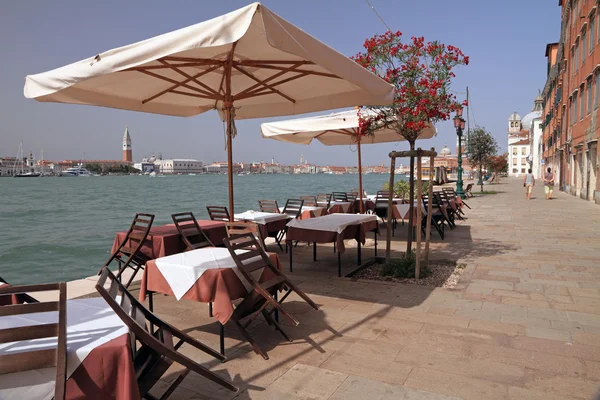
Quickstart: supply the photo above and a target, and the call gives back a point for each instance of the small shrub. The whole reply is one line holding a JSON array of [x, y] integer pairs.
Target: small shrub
[[404, 267]]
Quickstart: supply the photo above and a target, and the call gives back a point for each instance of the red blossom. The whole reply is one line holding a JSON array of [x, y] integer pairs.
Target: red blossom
[[421, 74]]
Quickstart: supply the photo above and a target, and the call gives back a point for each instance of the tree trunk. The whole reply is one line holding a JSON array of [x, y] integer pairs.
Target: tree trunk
[[411, 199], [481, 177]]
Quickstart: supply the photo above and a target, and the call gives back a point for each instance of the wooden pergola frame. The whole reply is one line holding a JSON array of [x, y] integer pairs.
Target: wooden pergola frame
[[285, 71], [418, 153]]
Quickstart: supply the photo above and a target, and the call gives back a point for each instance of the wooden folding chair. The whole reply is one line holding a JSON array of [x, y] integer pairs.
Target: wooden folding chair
[[40, 358], [293, 207], [451, 213], [437, 217], [243, 227], [129, 254], [190, 231], [19, 297], [381, 207], [352, 196], [250, 257], [309, 201], [157, 350], [218, 213], [339, 196], [324, 200], [268, 206], [451, 192]]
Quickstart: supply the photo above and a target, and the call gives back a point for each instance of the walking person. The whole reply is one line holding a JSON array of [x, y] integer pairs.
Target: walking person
[[528, 183], [548, 183]]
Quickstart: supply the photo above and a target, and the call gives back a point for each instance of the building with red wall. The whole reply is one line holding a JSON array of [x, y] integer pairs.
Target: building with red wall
[[571, 98]]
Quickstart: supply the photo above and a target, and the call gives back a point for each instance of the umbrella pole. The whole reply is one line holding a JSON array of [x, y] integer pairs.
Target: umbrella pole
[[229, 162], [360, 186]]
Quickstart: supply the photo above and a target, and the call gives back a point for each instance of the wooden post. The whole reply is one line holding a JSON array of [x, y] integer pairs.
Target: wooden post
[[419, 217], [228, 105], [430, 196], [388, 239], [229, 161], [360, 186], [411, 198]]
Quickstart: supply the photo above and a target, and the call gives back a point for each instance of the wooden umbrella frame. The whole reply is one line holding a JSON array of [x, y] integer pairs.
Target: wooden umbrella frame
[[224, 92]]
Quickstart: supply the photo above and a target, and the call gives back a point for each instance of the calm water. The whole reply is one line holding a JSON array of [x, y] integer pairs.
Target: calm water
[[55, 229]]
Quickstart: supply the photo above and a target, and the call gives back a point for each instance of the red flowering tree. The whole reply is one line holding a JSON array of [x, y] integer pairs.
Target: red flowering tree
[[421, 73]]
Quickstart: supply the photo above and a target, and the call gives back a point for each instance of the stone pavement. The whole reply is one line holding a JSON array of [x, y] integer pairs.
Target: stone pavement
[[523, 322]]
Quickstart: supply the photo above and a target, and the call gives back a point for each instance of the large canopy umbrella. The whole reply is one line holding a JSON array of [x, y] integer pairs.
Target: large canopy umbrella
[[334, 129], [248, 63]]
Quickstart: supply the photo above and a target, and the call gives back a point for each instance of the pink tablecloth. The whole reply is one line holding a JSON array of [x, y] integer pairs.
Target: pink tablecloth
[[106, 373]]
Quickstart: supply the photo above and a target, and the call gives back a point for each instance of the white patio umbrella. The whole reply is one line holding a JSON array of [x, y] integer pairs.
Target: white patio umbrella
[[248, 63], [334, 129]]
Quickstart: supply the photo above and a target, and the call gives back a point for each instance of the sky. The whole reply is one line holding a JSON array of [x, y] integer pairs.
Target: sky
[[505, 41]]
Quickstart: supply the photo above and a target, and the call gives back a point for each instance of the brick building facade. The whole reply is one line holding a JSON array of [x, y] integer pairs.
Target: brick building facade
[[571, 98]]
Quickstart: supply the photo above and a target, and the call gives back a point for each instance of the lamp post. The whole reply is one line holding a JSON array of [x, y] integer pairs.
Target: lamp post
[[459, 124]]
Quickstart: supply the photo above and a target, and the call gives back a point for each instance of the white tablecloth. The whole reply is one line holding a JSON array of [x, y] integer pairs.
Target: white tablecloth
[[345, 205], [90, 323], [332, 223], [181, 271], [259, 217]]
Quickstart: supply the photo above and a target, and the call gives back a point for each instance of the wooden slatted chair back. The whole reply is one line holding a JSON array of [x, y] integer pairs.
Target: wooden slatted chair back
[[382, 197], [37, 358], [158, 350], [218, 213], [243, 227], [339, 196], [293, 207], [268, 206], [190, 231], [324, 200], [309, 200], [129, 254], [352, 196]]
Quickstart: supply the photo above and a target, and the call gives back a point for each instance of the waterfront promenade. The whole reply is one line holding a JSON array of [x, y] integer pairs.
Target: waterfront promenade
[[523, 322]]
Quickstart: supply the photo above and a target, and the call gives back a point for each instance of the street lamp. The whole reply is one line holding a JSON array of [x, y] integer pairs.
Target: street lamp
[[459, 124]]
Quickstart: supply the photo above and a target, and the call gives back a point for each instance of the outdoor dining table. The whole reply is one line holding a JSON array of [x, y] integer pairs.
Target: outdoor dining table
[[312, 212], [207, 275], [340, 207], [99, 355], [164, 240], [332, 228], [267, 222]]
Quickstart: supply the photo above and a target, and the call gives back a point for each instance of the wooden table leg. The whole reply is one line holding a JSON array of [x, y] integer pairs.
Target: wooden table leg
[[358, 254], [222, 339], [314, 251], [339, 264], [210, 310], [290, 245]]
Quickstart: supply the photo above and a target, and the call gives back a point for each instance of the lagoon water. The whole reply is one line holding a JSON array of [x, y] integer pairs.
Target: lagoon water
[[55, 229]]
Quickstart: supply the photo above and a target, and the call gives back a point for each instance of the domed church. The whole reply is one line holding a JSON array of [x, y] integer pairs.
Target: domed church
[[520, 137]]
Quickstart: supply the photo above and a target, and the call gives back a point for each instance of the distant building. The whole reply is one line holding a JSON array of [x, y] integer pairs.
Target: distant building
[[521, 140], [179, 166], [127, 153]]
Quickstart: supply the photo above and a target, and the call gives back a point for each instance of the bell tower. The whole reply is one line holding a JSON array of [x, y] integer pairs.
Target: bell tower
[[514, 124], [127, 155]]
